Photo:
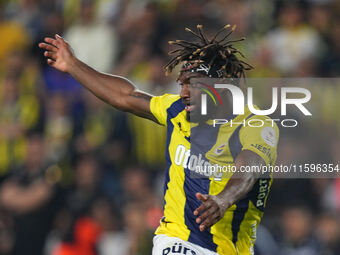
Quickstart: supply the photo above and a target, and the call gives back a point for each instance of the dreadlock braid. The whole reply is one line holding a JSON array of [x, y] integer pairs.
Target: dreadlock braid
[[213, 52]]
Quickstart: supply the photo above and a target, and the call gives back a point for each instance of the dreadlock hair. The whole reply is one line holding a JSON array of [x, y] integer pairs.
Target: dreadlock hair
[[215, 51]]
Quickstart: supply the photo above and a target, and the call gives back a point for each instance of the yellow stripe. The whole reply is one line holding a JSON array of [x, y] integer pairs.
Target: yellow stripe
[[247, 233], [222, 234], [174, 196]]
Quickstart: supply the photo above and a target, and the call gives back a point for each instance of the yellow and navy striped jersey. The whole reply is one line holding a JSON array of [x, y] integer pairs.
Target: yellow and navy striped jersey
[[235, 233]]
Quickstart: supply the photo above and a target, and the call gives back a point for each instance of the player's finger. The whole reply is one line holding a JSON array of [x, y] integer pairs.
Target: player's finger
[[60, 39], [202, 197], [48, 47], [50, 54], [206, 214], [50, 62], [211, 220], [51, 41], [204, 206], [205, 225]]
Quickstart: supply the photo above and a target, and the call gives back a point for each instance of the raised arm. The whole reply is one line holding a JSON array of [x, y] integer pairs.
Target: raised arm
[[112, 89]]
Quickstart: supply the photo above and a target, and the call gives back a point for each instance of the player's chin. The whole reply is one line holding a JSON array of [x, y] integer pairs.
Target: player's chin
[[190, 108], [193, 115]]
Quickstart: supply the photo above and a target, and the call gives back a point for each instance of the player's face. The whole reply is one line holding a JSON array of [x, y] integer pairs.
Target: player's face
[[191, 96]]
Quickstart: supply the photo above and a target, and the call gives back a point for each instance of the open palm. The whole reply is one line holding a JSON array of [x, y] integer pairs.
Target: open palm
[[58, 52]]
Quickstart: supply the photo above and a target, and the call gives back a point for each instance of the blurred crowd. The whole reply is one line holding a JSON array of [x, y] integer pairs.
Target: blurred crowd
[[78, 177]]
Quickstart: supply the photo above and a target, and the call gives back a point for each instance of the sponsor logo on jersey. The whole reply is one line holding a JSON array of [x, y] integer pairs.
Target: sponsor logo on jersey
[[219, 150], [178, 248], [196, 163], [269, 136]]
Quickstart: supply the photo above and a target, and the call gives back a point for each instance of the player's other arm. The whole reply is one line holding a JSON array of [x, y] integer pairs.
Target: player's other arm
[[214, 207], [112, 89]]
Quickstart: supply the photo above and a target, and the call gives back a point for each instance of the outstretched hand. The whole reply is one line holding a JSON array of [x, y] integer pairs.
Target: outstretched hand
[[211, 210], [58, 52]]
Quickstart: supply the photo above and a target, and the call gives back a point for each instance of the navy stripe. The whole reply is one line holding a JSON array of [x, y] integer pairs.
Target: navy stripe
[[202, 138], [235, 145], [243, 205], [172, 112], [238, 216], [254, 193]]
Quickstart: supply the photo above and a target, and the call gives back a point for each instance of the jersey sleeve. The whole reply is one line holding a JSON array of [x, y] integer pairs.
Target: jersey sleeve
[[261, 137], [159, 106]]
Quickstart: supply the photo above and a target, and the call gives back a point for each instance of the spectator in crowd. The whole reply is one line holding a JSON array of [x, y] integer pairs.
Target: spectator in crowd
[[297, 233], [30, 196], [328, 232], [59, 127], [82, 231], [19, 113], [139, 235], [88, 32], [114, 237], [292, 41], [27, 14], [14, 36]]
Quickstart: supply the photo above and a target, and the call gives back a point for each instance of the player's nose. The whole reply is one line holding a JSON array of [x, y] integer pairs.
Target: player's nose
[[185, 91]]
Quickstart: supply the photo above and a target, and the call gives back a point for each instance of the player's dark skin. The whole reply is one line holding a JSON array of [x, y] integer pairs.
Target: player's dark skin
[[122, 94]]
